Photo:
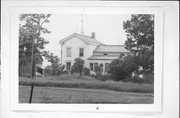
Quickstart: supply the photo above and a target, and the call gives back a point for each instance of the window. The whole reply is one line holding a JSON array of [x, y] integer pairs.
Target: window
[[68, 65], [91, 66], [106, 67], [101, 65], [95, 64], [68, 52], [81, 52]]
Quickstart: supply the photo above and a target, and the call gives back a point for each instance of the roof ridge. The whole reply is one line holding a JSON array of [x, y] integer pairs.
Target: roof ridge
[[89, 37]]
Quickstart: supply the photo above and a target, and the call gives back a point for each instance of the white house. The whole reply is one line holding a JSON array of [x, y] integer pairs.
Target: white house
[[92, 51]]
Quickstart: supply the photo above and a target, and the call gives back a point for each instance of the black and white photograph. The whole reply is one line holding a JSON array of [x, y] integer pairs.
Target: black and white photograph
[[83, 59], [86, 58]]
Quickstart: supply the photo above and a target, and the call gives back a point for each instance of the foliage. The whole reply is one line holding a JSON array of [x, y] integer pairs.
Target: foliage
[[68, 81], [86, 71], [103, 77], [98, 70], [148, 78], [30, 28], [55, 68], [146, 61], [140, 38], [120, 69], [77, 66]]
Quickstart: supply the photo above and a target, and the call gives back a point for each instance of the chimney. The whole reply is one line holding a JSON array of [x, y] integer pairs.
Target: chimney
[[93, 35]]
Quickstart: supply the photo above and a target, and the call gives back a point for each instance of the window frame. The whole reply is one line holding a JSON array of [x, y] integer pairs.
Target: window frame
[[67, 54], [68, 66], [81, 52]]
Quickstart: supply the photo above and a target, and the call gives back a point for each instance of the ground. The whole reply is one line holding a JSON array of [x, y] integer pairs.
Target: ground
[[81, 95]]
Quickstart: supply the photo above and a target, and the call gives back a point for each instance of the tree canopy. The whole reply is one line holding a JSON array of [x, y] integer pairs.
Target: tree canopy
[[31, 27], [140, 38]]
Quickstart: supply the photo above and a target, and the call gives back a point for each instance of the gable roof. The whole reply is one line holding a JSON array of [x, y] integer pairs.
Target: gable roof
[[110, 48], [85, 38]]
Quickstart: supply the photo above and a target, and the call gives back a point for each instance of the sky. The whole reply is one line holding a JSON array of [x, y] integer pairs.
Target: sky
[[108, 29]]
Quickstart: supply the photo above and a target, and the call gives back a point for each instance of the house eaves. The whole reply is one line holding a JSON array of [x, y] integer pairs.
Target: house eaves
[[84, 38]]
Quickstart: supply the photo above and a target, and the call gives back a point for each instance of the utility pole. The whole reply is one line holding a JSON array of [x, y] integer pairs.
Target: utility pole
[[32, 70]]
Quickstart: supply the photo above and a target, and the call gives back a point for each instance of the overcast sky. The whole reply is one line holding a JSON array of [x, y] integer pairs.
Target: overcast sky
[[108, 28]]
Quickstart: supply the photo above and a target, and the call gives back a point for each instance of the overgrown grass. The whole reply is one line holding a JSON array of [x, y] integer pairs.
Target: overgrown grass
[[65, 99], [76, 81]]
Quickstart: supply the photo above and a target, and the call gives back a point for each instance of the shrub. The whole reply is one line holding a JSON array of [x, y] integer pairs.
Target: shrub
[[77, 66], [121, 69], [148, 78], [86, 71], [54, 70], [103, 77], [97, 70]]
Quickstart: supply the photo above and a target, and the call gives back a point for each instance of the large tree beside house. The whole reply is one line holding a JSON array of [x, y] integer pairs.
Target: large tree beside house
[[31, 28], [140, 39]]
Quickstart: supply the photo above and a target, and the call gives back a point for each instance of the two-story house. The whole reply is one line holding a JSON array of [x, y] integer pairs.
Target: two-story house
[[92, 51]]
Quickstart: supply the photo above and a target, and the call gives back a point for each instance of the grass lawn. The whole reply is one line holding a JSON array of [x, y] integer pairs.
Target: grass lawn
[[81, 95]]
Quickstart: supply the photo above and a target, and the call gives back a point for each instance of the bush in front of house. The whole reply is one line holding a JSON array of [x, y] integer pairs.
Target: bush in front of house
[[103, 77], [98, 70], [54, 70], [86, 71], [77, 66], [121, 69]]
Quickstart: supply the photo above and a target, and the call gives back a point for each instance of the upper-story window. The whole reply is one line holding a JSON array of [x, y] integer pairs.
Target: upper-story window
[[68, 52], [81, 52]]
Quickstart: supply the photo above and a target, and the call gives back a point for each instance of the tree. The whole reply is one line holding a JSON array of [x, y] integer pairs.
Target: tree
[[55, 68], [30, 28], [140, 38], [78, 65], [120, 69]]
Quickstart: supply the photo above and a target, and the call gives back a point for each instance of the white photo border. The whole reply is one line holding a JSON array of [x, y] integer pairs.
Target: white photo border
[[85, 8]]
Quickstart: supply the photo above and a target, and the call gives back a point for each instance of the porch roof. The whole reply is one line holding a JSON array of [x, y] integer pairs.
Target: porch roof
[[95, 57]]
